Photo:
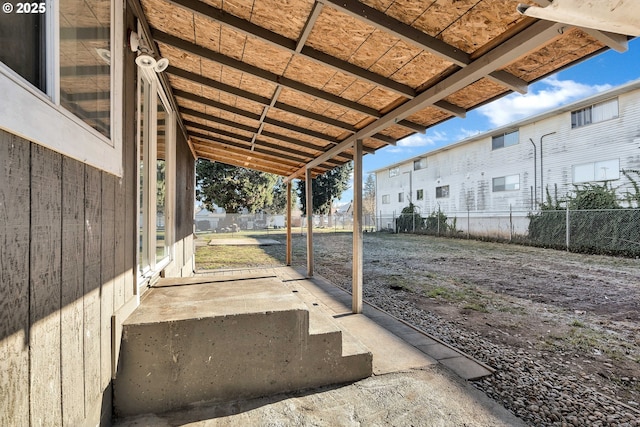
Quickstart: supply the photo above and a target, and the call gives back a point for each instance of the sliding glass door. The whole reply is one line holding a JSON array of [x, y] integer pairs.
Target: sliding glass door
[[155, 146]]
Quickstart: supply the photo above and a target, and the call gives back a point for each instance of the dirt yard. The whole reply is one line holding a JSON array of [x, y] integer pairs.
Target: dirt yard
[[574, 314]]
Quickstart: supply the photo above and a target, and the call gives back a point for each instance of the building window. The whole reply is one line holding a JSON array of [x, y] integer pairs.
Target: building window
[[23, 43], [419, 194], [85, 61], [442, 192], [505, 140], [386, 199], [605, 170], [419, 164], [401, 197], [393, 172], [595, 113], [55, 59], [506, 183]]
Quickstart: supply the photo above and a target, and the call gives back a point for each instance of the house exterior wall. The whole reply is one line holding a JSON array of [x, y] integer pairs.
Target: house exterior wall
[[470, 166], [68, 255]]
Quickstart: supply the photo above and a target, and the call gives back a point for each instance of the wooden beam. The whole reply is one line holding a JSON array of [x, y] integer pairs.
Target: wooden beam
[[357, 263], [411, 35], [533, 36], [296, 47], [309, 206], [265, 75], [289, 257]]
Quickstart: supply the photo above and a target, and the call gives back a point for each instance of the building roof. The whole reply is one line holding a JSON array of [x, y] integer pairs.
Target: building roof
[[280, 86], [594, 99]]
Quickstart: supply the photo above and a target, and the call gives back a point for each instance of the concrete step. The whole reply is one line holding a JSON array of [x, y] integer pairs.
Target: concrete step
[[321, 319], [221, 339]]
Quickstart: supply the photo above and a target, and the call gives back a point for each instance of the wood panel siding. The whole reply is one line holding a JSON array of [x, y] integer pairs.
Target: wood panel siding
[[60, 260], [15, 211]]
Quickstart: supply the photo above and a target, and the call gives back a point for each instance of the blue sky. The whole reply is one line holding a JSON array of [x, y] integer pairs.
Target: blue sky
[[602, 72]]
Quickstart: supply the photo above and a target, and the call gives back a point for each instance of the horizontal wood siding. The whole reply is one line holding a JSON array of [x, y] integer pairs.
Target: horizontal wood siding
[[469, 169]]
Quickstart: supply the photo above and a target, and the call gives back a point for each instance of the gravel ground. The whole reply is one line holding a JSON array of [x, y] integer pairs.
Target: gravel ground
[[544, 386], [562, 329], [524, 384]]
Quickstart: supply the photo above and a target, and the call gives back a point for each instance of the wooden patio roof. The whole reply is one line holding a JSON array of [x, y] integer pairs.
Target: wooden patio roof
[[285, 85]]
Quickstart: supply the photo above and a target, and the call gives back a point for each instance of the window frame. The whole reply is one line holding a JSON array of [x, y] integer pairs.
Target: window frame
[[590, 108], [503, 137], [401, 197], [57, 126], [594, 171], [148, 264], [386, 199], [394, 172], [504, 188], [439, 194], [420, 164], [420, 194]]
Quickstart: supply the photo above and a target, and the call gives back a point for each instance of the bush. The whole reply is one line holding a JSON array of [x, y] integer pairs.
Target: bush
[[598, 223]]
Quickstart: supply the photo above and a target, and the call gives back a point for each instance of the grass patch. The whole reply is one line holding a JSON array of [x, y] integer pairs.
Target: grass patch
[[476, 307], [577, 324], [398, 282], [215, 257], [439, 292]]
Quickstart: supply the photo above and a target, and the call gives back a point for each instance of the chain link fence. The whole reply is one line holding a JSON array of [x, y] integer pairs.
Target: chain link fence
[[603, 231], [261, 222]]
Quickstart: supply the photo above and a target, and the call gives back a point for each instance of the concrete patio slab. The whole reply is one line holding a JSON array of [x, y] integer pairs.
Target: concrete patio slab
[[431, 397]]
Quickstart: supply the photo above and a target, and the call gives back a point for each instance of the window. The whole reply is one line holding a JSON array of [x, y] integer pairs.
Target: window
[[595, 113], [400, 197], [55, 62], [605, 170], [386, 199], [85, 61], [419, 164], [23, 43], [442, 192], [393, 172], [419, 194], [505, 140], [506, 183], [156, 130]]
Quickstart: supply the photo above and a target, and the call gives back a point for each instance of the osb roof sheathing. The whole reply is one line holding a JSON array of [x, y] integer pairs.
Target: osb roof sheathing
[[301, 81]]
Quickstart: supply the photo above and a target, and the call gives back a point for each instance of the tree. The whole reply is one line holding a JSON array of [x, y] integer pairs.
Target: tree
[[369, 199], [279, 204], [233, 188], [326, 188]]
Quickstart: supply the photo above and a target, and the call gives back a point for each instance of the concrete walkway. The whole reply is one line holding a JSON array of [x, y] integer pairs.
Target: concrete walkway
[[418, 381]]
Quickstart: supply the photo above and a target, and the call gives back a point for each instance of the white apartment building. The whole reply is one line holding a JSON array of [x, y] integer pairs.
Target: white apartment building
[[511, 167]]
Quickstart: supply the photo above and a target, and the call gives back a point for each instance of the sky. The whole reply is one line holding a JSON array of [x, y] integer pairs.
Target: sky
[[604, 71]]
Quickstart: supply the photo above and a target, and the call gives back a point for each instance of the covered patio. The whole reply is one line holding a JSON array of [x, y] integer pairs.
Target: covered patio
[[298, 88], [188, 330]]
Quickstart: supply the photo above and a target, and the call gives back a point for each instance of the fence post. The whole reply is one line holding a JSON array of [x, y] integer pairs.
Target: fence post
[[510, 223], [468, 224], [568, 229], [413, 217], [438, 221]]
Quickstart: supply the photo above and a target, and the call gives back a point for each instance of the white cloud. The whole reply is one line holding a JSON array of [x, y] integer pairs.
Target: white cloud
[[551, 93], [430, 139], [467, 133]]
